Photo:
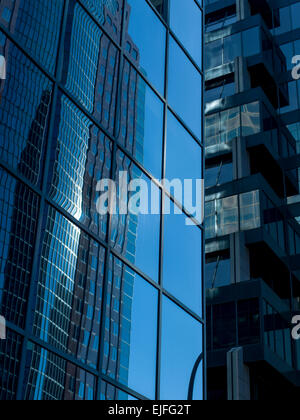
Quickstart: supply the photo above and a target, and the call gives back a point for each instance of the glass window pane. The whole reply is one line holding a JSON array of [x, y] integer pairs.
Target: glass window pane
[[140, 121], [136, 236], [248, 322], [251, 42], [24, 113], [51, 378], [131, 330], [213, 54], [185, 88], [35, 24], [104, 12], [227, 215], [186, 22], [232, 48], [218, 272], [10, 356], [182, 268], [285, 21], [224, 326], [295, 12], [150, 54], [69, 296], [181, 350], [250, 119], [92, 78], [19, 208], [249, 210], [189, 165]]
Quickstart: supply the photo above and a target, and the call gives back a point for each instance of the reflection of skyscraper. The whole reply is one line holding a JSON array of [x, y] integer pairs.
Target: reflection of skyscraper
[[120, 284], [68, 308], [25, 211]]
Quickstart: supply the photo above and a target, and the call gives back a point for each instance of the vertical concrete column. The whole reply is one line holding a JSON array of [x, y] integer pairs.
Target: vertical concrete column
[[240, 258], [243, 9], [238, 376], [240, 155]]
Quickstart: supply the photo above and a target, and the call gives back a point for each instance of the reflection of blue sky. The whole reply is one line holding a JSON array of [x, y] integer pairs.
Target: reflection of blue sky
[[186, 22], [153, 131], [62, 238], [180, 143], [143, 338], [150, 42], [181, 347], [185, 88], [182, 269]]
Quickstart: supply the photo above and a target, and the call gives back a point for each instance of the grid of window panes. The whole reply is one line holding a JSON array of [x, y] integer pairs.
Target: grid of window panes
[[97, 306]]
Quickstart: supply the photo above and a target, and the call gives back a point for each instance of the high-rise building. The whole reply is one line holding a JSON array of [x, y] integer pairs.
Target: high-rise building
[[100, 306], [252, 126]]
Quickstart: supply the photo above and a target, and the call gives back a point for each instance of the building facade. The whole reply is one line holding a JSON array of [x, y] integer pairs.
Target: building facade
[[100, 306], [252, 115]]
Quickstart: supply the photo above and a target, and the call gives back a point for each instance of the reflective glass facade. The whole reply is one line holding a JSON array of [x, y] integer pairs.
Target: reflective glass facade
[[99, 307]]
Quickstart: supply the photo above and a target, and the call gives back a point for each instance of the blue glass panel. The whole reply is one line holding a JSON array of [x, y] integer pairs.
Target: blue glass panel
[[186, 22], [140, 122], [182, 346], [146, 46], [19, 208], [182, 268], [90, 66], [108, 13], [81, 157], [10, 356], [181, 143], [185, 88], [131, 330], [136, 236]]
